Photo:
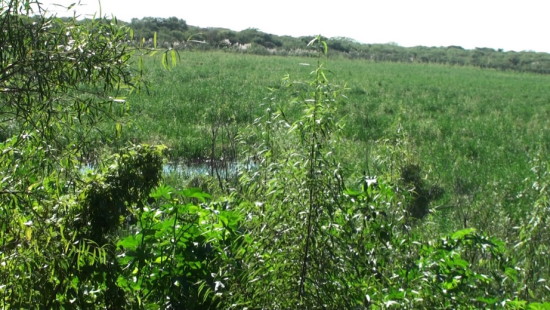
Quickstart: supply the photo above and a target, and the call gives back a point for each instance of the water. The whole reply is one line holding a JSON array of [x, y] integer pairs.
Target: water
[[189, 171]]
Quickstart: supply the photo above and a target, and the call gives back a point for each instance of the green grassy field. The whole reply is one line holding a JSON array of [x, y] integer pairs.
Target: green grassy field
[[473, 132], [293, 182]]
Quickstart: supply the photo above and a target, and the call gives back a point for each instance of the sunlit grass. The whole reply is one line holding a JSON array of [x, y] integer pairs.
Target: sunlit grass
[[473, 131]]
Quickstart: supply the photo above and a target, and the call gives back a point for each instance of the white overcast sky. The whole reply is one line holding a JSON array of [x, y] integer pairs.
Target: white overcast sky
[[508, 24]]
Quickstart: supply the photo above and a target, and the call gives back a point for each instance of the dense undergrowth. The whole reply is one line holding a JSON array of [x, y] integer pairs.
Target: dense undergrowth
[[324, 217]]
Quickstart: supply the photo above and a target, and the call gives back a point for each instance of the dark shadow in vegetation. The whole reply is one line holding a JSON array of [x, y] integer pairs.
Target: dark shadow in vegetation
[[421, 193]]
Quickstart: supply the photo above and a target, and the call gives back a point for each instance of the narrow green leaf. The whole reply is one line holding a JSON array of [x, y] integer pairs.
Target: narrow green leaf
[[324, 76], [118, 129], [162, 191], [165, 61], [174, 60], [140, 64]]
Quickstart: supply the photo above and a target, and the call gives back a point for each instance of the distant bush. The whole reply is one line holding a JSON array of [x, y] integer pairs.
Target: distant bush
[[175, 30]]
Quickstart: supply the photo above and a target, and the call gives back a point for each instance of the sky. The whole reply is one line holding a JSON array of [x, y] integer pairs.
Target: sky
[[511, 25]]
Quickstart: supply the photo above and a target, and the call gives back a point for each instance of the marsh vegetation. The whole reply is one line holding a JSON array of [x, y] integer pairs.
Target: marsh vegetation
[[328, 183]]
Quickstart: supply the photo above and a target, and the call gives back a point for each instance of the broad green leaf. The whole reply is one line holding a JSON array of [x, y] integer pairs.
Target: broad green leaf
[[539, 306], [458, 262], [487, 300], [162, 191], [129, 243], [195, 193], [122, 282], [74, 282], [352, 193], [458, 235], [516, 304], [230, 219]]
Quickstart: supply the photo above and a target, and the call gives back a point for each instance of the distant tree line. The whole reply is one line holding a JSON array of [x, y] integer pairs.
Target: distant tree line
[[174, 32]]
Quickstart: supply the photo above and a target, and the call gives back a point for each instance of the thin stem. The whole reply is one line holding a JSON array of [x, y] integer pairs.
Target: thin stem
[[312, 188]]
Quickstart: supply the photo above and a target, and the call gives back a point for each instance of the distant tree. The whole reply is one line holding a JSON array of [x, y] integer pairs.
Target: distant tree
[[253, 35], [174, 23], [339, 44], [455, 47], [167, 29]]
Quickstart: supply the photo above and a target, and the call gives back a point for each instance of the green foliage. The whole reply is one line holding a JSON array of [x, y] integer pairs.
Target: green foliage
[[523, 305], [58, 242], [169, 29], [313, 245], [533, 249], [294, 197], [110, 196], [171, 258], [57, 77], [463, 270], [296, 230], [473, 147]]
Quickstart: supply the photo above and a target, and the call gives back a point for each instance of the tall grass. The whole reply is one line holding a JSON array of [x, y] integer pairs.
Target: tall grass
[[472, 131], [180, 104]]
